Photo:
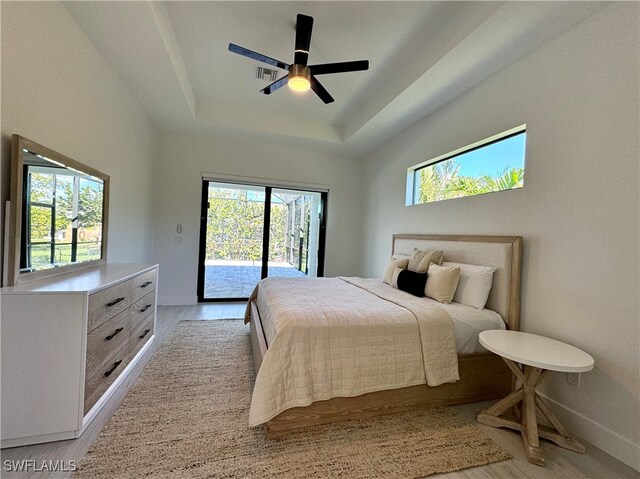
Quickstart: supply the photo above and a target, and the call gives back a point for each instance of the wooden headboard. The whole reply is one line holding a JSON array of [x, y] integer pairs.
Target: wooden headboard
[[501, 252]]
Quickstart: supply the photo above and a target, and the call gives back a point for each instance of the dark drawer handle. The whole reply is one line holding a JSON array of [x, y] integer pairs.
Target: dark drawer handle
[[115, 301], [145, 308], [144, 285], [114, 334], [113, 368], [146, 331]]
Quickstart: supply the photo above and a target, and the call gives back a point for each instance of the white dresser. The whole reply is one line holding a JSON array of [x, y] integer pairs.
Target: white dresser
[[67, 344]]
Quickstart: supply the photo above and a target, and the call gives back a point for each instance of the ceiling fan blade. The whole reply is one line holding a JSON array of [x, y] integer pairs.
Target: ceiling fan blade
[[257, 56], [304, 25], [341, 67], [317, 87], [268, 90]]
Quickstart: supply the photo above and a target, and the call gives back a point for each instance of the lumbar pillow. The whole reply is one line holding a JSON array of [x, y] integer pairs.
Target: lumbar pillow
[[474, 285], [409, 281], [391, 267], [442, 282], [420, 260]]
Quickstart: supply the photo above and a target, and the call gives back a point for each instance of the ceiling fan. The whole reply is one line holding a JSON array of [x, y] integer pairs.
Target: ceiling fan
[[301, 76]]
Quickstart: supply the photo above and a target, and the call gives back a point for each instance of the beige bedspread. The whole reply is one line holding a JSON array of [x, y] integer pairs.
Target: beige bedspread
[[331, 337]]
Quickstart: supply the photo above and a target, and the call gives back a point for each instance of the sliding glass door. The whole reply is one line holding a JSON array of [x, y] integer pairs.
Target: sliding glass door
[[250, 232], [294, 233]]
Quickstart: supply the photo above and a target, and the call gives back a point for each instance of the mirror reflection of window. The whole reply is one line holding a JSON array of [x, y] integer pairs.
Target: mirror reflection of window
[[63, 215], [90, 219]]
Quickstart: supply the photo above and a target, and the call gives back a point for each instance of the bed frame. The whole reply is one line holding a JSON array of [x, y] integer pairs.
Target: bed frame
[[482, 375]]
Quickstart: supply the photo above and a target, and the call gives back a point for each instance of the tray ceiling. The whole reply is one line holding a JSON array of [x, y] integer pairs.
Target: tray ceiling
[[173, 57]]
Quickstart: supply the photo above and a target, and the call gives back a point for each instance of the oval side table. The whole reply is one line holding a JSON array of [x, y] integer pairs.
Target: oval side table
[[538, 357]]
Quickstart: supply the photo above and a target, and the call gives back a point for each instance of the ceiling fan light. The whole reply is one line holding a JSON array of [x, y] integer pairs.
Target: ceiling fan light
[[299, 77], [299, 83]]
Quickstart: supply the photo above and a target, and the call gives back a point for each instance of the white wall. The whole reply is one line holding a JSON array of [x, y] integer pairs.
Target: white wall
[[181, 160], [578, 211], [58, 91]]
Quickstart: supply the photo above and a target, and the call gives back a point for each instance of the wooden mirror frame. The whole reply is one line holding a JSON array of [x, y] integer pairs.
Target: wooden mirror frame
[[14, 276]]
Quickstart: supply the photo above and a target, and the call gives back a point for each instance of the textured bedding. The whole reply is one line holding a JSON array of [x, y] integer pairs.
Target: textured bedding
[[468, 323], [331, 337]]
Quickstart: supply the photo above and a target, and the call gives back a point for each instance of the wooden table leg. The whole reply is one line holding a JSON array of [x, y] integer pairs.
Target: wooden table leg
[[491, 416], [527, 425], [560, 436], [529, 430]]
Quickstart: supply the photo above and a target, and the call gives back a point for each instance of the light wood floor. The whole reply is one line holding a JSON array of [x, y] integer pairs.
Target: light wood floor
[[560, 462]]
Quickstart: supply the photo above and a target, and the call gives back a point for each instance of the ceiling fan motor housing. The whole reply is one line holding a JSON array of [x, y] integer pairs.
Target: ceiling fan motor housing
[[296, 70]]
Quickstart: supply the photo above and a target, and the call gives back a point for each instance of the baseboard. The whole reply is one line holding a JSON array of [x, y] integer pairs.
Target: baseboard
[[600, 436], [177, 300], [38, 439]]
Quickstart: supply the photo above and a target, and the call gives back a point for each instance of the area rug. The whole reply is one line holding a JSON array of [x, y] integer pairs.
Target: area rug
[[187, 417]]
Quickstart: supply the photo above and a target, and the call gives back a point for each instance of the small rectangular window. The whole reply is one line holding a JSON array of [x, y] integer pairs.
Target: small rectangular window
[[494, 164]]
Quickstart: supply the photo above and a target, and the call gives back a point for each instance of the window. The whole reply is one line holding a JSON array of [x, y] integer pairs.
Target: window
[[494, 164]]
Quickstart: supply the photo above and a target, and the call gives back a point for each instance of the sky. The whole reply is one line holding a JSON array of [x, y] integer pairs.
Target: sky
[[493, 159]]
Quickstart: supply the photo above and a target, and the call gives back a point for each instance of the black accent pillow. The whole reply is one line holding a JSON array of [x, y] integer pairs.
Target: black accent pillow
[[412, 282]]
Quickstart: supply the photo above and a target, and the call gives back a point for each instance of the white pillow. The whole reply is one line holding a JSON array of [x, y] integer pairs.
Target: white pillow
[[474, 284]]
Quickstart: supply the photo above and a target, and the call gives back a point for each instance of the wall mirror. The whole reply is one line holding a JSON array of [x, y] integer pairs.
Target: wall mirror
[[59, 214]]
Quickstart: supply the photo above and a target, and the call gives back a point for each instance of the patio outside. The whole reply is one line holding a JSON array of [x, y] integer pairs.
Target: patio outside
[[235, 235], [236, 279]]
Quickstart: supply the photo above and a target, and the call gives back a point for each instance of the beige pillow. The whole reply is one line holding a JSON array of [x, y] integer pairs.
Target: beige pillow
[[420, 260], [394, 277], [442, 282], [391, 267]]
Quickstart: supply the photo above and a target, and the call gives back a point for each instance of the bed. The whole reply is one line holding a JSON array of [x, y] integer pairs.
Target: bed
[[292, 391]]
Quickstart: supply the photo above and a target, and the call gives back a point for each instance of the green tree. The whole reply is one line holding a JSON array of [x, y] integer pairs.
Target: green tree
[[64, 202], [41, 189], [90, 202], [235, 226], [509, 179], [442, 181], [435, 181], [90, 205]]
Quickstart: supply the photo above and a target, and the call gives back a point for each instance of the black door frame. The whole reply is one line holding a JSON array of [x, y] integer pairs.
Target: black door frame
[[202, 249]]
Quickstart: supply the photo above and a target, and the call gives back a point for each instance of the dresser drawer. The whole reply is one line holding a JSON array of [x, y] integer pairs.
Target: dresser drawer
[[140, 335], [96, 384], [142, 308], [143, 284], [120, 322], [105, 304], [104, 342]]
